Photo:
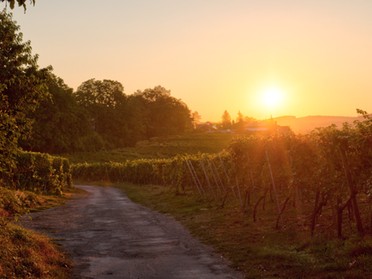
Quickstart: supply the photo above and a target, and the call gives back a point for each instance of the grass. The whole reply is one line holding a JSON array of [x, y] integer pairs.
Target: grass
[[259, 250], [25, 253], [159, 148]]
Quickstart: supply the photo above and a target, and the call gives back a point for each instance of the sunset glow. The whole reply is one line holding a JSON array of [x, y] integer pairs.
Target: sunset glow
[[272, 97], [214, 49]]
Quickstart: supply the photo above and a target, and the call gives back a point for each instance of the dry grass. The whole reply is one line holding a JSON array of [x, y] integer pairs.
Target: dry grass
[[24, 253]]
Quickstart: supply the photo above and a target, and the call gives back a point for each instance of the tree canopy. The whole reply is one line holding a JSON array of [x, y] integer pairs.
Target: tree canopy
[[166, 115], [122, 119], [60, 124]]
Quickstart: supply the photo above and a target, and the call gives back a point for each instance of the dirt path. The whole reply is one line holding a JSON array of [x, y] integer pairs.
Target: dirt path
[[109, 236]]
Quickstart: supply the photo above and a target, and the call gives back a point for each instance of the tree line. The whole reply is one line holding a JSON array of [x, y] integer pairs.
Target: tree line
[[40, 112]]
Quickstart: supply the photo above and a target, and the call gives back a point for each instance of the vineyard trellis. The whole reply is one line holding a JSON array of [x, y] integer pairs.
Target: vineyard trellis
[[317, 181]]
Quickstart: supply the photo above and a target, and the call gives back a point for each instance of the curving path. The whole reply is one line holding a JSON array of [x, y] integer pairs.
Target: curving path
[[109, 236]]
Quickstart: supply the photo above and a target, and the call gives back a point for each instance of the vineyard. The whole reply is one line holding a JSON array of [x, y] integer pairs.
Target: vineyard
[[316, 184], [158, 147], [38, 172]]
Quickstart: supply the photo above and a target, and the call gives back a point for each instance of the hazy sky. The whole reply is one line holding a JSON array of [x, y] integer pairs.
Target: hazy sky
[[214, 55]]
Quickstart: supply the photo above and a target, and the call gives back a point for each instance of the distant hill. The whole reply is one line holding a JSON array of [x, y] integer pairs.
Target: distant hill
[[303, 125]]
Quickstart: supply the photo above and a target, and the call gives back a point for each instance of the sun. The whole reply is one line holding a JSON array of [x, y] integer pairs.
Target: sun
[[272, 97]]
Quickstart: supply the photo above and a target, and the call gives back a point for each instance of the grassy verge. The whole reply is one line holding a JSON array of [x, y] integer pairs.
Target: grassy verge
[[24, 253], [257, 250]]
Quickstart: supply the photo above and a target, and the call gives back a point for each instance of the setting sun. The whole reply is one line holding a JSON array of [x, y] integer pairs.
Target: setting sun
[[272, 97]]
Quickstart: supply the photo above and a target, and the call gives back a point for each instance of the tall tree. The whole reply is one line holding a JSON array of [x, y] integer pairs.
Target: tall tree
[[22, 81], [240, 122], [196, 117], [105, 102], [22, 86], [240, 117], [226, 120]]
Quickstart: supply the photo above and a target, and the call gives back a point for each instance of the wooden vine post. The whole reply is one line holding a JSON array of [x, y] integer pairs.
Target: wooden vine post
[[272, 181]]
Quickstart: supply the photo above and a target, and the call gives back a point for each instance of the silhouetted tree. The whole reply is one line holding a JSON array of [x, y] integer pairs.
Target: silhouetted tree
[[226, 120], [196, 117], [240, 117]]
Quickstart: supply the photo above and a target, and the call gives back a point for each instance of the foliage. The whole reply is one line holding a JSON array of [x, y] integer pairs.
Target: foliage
[[9, 135], [19, 2], [95, 94], [22, 82], [122, 120], [166, 115], [39, 172], [60, 124], [39, 112], [15, 203], [321, 181], [21, 89]]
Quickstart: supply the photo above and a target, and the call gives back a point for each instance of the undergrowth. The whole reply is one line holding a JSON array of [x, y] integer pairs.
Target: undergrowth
[[24, 253]]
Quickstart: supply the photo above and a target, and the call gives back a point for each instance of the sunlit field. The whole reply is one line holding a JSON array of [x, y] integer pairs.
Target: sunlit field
[[248, 121]]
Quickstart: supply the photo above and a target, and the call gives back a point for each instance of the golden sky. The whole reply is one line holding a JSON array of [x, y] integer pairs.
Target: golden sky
[[215, 55]]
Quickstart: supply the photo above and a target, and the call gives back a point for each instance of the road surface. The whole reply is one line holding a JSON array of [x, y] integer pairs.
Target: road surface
[[109, 236]]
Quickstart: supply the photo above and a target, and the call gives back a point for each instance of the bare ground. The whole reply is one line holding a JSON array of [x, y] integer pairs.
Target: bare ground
[[109, 236]]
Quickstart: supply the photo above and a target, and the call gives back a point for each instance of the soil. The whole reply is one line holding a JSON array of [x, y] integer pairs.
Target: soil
[[109, 236]]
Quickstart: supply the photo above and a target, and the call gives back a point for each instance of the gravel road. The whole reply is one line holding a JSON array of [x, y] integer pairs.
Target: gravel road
[[109, 236]]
